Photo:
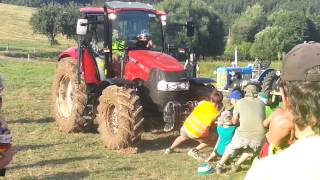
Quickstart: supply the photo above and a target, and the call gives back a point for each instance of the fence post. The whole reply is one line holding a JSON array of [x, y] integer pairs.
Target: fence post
[[28, 57], [7, 49]]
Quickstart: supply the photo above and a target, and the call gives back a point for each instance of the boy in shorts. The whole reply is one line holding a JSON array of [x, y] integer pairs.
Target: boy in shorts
[[199, 123]]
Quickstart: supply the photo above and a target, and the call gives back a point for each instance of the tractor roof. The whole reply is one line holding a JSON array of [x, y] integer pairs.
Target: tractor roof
[[117, 6], [128, 5], [91, 10]]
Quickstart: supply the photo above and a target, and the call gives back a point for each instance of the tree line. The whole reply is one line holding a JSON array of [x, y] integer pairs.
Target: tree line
[[257, 28]]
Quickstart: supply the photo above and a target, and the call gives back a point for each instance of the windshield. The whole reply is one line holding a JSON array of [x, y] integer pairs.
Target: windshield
[[139, 29]]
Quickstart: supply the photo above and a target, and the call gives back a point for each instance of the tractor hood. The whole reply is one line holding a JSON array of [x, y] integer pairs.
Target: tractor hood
[[153, 59]]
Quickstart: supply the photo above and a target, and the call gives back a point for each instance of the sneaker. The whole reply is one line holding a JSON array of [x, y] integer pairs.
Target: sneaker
[[218, 169], [234, 167], [195, 154], [168, 151]]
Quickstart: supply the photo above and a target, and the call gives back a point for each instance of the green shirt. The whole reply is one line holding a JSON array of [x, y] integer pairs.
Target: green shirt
[[268, 111]]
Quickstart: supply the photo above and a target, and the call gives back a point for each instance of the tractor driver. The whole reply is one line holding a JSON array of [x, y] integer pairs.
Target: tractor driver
[[117, 50], [144, 40]]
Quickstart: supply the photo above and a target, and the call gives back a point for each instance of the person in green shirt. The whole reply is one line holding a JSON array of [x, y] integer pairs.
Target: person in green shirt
[[118, 46], [270, 106]]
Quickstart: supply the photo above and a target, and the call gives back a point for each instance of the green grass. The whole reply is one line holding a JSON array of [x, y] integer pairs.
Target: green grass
[[16, 33], [47, 153]]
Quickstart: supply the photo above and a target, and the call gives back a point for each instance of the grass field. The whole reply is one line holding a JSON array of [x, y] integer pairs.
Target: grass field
[[17, 34], [47, 153]]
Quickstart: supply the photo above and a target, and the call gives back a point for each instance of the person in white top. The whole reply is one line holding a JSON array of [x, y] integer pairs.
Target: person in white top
[[299, 87]]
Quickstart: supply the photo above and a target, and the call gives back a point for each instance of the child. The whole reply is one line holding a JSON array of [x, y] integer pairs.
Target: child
[[225, 131], [198, 124], [9, 151]]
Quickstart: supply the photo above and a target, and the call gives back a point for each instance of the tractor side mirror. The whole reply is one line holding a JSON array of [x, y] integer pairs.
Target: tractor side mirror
[[82, 26], [190, 28]]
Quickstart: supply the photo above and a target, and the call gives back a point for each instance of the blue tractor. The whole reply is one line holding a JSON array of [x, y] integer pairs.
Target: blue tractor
[[259, 74]]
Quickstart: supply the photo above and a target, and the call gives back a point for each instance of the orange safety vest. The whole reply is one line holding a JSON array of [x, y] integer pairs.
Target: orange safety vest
[[198, 123]]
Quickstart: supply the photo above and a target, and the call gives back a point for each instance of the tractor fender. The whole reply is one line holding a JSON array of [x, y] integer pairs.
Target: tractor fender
[[70, 52], [264, 74], [119, 81], [116, 81], [201, 81], [88, 66]]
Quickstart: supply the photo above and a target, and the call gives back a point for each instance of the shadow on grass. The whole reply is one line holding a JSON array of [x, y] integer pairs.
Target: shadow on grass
[[125, 169], [55, 162], [33, 146], [63, 175], [27, 120], [162, 143]]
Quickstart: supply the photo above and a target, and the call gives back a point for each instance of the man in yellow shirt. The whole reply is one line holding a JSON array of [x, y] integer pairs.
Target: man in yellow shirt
[[198, 124]]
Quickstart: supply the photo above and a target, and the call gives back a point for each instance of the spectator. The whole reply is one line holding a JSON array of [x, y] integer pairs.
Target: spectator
[[249, 136], [198, 124], [299, 88]]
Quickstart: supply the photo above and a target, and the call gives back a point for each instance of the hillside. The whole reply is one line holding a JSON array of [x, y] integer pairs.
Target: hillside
[[17, 34]]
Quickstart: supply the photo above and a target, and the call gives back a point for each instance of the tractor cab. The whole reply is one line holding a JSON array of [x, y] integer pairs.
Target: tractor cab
[[111, 32]]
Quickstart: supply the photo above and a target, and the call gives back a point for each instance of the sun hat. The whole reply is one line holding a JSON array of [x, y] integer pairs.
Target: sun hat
[[235, 94], [205, 169], [299, 60], [251, 90], [225, 117], [263, 97]]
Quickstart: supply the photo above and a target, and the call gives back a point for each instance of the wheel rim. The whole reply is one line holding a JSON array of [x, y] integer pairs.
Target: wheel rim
[[65, 97], [112, 120]]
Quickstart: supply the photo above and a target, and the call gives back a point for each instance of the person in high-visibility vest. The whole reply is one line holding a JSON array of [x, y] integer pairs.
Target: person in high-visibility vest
[[198, 124], [118, 46]]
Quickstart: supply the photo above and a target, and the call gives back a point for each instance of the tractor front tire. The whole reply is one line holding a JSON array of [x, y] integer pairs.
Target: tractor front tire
[[69, 98], [119, 117]]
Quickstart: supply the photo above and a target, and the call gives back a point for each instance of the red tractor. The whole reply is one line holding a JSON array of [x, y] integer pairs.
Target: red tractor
[[118, 73]]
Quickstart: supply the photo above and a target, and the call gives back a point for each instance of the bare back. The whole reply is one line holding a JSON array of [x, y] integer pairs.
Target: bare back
[[281, 127]]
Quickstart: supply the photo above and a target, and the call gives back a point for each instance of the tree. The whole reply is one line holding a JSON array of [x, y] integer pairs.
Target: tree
[[287, 29], [209, 32], [46, 21], [294, 28], [68, 20], [267, 44], [248, 24]]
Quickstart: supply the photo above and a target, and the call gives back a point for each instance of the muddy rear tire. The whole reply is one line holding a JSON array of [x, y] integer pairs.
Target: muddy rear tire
[[69, 98], [120, 117]]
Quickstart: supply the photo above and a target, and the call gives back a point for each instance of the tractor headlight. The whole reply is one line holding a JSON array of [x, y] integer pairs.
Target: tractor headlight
[[112, 16], [173, 86]]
